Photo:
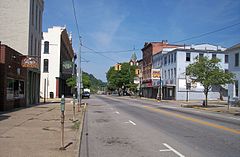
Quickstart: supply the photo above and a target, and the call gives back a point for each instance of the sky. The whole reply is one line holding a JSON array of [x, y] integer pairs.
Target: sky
[[115, 29]]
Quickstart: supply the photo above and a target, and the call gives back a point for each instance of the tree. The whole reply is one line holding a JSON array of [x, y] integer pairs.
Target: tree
[[71, 82], [121, 79], [209, 73]]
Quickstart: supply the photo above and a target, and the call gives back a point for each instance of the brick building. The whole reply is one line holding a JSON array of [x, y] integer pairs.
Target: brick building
[[148, 51], [13, 79]]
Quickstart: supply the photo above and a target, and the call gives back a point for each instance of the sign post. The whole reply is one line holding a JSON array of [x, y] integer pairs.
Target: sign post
[[62, 105]]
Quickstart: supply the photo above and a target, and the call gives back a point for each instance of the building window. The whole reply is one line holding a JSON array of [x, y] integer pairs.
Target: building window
[[188, 56], [10, 88], [226, 59], [175, 57], [165, 60], [201, 55], [171, 73], [171, 58], [175, 73], [35, 47], [37, 17], [165, 74], [168, 74], [46, 47], [45, 65], [31, 45], [236, 59], [214, 56], [32, 12], [236, 88]]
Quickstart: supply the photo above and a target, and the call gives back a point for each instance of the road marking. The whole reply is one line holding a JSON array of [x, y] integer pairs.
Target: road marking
[[117, 112], [132, 122], [194, 120], [171, 149], [129, 121], [165, 150]]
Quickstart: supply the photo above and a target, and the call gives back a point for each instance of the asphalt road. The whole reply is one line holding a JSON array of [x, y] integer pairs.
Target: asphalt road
[[122, 127]]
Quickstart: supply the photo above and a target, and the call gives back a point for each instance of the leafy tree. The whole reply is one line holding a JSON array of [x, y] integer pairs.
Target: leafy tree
[[89, 81], [121, 79], [209, 73], [86, 81], [71, 82]]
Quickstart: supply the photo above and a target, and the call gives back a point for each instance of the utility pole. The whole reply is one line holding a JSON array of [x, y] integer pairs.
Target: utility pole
[[79, 75]]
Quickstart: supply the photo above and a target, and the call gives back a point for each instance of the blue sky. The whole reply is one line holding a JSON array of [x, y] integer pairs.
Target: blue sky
[[116, 25]]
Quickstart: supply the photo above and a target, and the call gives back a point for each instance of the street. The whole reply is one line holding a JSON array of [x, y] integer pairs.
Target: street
[[121, 126]]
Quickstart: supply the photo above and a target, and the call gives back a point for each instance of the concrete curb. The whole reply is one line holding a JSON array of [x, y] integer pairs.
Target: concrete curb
[[80, 130]]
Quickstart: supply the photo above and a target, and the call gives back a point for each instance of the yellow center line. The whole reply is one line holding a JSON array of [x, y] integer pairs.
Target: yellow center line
[[194, 120]]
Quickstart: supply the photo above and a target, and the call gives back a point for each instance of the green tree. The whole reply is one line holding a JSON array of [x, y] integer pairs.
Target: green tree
[[71, 82], [86, 81], [209, 73], [121, 79]]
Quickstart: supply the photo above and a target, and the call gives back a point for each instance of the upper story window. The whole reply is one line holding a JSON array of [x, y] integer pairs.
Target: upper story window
[[36, 23], [165, 60], [214, 56], [46, 47], [45, 65], [171, 58], [188, 56], [175, 73], [175, 56], [32, 12], [226, 58], [236, 59]]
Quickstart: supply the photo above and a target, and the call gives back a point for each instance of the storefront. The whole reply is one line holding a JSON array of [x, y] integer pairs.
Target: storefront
[[13, 79]]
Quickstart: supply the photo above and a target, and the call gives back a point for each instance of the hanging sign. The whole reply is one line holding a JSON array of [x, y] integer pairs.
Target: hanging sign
[[30, 62]]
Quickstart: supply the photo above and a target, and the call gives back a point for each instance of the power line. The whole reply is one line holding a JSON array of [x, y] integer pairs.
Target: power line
[[76, 22], [122, 51], [99, 53], [204, 34]]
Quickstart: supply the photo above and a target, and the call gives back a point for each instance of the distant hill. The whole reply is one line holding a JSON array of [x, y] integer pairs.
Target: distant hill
[[95, 84]]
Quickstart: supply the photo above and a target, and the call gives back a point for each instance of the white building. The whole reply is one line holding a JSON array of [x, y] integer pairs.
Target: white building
[[234, 67], [173, 63], [21, 29], [57, 55]]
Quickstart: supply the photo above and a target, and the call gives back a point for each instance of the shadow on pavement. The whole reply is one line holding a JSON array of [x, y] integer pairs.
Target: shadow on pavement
[[3, 117]]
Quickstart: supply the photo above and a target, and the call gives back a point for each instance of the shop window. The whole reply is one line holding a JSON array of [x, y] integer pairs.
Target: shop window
[[236, 88], [10, 88], [21, 89]]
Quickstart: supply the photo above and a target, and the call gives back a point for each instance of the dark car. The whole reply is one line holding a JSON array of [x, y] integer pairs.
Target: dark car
[[86, 95]]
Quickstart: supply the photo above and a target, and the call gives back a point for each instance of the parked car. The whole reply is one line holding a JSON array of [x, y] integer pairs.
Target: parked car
[[86, 94]]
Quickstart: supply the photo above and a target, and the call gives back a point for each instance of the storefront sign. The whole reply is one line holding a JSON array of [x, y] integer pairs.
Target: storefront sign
[[30, 62], [67, 67], [156, 73]]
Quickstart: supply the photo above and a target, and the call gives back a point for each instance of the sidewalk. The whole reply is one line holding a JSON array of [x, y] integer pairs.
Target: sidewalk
[[213, 106], [35, 131]]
